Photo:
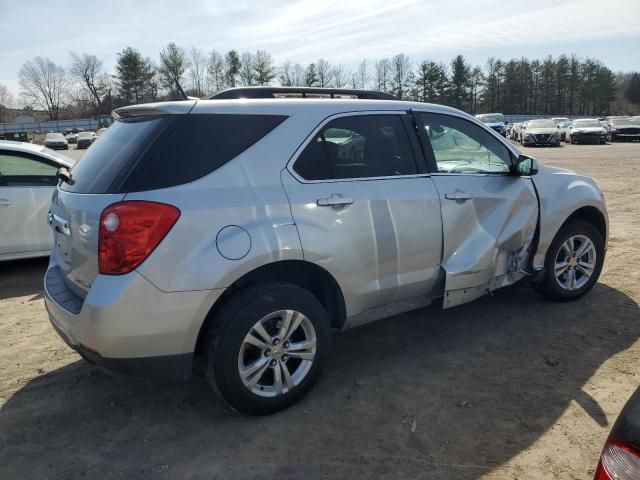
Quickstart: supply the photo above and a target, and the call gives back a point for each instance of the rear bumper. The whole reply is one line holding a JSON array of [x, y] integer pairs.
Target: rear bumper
[[127, 325]]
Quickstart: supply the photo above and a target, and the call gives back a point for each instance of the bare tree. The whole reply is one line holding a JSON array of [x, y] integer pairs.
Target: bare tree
[[247, 74], [286, 74], [87, 69], [216, 71], [401, 77], [197, 72], [173, 63], [340, 76], [263, 68], [44, 83], [361, 77], [383, 74], [323, 72], [6, 100]]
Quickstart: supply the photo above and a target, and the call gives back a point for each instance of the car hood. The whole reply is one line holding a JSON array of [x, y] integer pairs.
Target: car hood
[[626, 125], [541, 131], [588, 129]]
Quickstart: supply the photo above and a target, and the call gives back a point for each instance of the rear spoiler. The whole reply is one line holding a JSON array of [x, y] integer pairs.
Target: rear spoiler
[[160, 108]]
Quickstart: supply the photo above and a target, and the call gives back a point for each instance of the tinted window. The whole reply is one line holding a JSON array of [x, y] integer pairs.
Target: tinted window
[[164, 151], [23, 170], [460, 146], [198, 145], [358, 147], [113, 155]]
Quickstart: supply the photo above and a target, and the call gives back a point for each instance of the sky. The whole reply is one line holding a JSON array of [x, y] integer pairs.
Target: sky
[[305, 30]]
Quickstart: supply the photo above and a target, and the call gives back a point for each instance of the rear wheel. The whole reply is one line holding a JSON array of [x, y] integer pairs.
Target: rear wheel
[[267, 347], [573, 263]]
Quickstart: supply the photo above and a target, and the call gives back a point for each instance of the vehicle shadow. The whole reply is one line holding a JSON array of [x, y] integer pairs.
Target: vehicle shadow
[[429, 394], [19, 278]]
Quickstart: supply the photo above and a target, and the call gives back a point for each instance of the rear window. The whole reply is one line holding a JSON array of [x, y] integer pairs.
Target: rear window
[[165, 151]]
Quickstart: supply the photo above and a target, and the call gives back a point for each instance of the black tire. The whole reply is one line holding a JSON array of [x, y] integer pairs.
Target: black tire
[[236, 318], [548, 285]]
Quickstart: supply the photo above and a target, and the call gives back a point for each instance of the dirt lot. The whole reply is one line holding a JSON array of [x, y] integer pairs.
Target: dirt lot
[[508, 387]]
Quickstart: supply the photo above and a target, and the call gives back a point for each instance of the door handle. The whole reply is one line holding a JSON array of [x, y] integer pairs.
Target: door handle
[[458, 195], [335, 200], [4, 202]]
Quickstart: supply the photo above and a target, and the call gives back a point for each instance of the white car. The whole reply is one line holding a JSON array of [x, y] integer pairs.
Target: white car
[[28, 177], [56, 141]]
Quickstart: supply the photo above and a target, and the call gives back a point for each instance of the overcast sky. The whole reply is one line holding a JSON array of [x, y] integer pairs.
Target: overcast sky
[[305, 30]]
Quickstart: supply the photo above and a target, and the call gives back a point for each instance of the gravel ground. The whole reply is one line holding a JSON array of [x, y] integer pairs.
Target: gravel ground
[[508, 387]]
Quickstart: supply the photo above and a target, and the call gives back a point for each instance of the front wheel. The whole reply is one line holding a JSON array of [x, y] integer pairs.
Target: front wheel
[[267, 347], [573, 262]]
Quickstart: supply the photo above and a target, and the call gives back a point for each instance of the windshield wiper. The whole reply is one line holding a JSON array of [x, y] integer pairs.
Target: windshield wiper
[[65, 175]]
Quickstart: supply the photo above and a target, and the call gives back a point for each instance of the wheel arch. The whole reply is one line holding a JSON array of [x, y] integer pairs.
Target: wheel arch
[[301, 273], [590, 215]]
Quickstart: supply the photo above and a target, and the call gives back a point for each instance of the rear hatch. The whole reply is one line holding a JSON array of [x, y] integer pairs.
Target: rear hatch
[[101, 178]]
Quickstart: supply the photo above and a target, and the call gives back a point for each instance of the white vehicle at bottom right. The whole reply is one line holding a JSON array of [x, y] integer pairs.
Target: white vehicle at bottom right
[[587, 130]]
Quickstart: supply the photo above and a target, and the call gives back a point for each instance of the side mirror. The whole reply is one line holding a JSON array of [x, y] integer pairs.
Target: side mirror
[[526, 166]]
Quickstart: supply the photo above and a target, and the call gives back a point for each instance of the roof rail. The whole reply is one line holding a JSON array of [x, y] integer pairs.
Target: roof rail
[[299, 92]]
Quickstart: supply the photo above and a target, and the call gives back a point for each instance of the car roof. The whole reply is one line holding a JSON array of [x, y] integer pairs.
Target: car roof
[[280, 106], [39, 150]]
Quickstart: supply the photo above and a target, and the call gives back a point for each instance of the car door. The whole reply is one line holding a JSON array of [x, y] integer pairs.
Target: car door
[[367, 212], [489, 215], [26, 186]]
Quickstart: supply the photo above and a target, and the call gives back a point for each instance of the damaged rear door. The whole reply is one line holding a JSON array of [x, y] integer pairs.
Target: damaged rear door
[[489, 216]]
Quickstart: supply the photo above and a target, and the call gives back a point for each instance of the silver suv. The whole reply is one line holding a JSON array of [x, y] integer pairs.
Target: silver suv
[[246, 230]]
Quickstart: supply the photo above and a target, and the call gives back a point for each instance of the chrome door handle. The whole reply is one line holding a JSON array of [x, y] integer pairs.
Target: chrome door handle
[[4, 202], [334, 200], [458, 195]]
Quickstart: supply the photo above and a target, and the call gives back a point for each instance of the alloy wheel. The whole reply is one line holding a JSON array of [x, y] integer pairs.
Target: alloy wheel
[[277, 353], [575, 262]]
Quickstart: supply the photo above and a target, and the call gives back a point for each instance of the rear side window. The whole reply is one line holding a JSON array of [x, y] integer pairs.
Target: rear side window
[[359, 146], [165, 151], [112, 156], [198, 145]]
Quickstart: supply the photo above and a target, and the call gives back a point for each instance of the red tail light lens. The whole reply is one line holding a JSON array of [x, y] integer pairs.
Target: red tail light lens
[[130, 231], [619, 461]]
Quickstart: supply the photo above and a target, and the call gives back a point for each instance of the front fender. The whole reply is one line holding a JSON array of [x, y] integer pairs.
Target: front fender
[[561, 193]]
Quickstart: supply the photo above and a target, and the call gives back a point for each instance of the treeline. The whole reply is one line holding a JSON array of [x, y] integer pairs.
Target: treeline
[[562, 85]]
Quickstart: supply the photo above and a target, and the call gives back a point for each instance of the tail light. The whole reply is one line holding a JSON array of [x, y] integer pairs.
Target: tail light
[[619, 461], [130, 231]]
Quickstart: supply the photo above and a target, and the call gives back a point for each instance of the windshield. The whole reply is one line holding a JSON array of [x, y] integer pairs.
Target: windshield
[[541, 124], [54, 136], [491, 118], [85, 134], [586, 123]]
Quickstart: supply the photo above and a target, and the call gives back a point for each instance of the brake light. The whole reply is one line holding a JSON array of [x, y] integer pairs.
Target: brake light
[[130, 231], [619, 461]]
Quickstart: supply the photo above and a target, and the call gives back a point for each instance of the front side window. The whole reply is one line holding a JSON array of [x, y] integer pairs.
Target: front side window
[[359, 146], [23, 170], [460, 146]]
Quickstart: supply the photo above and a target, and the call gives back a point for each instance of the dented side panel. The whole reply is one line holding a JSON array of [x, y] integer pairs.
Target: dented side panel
[[487, 236]]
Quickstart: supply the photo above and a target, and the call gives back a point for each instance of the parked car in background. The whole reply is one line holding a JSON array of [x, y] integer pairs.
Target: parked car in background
[[495, 121], [623, 129], [620, 458], [512, 128], [559, 120], [27, 181], [71, 137], [587, 130], [540, 132], [319, 217], [85, 139], [56, 141]]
